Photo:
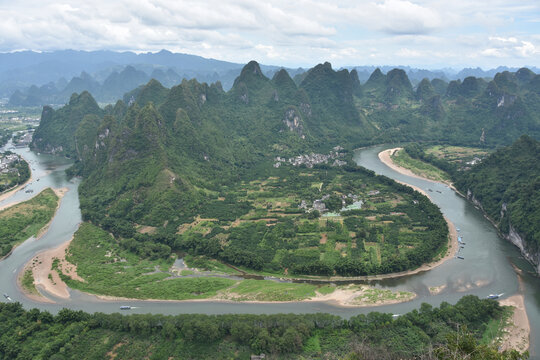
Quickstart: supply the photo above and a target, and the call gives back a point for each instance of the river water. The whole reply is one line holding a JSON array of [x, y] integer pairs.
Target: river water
[[486, 268]]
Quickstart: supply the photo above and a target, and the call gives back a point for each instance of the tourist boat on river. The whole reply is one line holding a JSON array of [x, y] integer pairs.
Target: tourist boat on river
[[494, 296], [125, 307]]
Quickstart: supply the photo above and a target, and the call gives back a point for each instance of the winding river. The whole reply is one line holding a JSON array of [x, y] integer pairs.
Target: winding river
[[486, 268]]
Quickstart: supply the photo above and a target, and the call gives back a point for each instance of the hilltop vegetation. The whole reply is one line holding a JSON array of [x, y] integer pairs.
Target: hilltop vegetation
[[194, 154], [429, 333]]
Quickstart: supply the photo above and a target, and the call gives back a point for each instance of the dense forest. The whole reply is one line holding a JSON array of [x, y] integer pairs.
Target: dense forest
[[164, 157], [447, 332], [504, 185], [507, 187]]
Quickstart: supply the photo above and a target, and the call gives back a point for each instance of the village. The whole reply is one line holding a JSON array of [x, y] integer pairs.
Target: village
[[7, 162], [309, 160]]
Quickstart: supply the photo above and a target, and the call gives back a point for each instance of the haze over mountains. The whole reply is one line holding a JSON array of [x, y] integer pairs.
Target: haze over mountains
[[33, 79]]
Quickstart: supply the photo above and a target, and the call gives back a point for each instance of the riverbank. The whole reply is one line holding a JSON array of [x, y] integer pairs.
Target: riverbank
[[60, 193], [386, 158], [13, 208], [352, 296], [46, 266], [45, 277], [518, 332], [9, 193]]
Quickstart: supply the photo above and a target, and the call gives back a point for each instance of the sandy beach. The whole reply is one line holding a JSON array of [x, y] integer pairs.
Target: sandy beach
[[352, 296], [386, 157], [8, 194], [517, 335], [47, 279]]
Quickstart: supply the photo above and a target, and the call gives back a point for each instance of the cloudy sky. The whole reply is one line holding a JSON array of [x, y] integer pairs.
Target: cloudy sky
[[431, 34]]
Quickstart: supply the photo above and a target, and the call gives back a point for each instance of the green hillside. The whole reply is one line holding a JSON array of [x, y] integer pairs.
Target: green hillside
[[507, 185]]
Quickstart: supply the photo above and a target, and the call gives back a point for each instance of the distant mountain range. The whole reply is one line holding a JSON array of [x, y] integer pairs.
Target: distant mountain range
[[30, 78]]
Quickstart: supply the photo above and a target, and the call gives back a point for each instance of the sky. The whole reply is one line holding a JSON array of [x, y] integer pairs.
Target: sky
[[419, 33]]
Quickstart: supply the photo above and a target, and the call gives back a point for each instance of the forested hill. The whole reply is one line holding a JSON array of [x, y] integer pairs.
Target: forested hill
[[162, 151], [507, 185], [167, 150]]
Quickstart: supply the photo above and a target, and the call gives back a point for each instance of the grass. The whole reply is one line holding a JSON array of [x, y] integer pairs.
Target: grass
[[24, 220], [27, 282], [419, 167], [456, 154], [326, 289], [496, 328], [266, 290], [111, 271]]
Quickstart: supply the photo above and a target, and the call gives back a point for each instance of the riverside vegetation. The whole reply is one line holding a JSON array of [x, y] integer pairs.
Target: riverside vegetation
[[26, 219], [464, 330], [504, 184]]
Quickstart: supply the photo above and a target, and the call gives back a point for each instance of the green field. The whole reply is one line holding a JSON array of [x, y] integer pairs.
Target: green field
[[270, 227], [458, 155], [26, 219], [27, 282], [108, 270], [419, 167]]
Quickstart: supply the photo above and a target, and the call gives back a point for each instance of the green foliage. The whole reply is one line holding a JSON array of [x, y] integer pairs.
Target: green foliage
[[75, 334], [57, 128], [108, 269], [507, 184], [26, 219]]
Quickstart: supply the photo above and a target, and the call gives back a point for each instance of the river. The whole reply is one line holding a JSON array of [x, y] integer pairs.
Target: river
[[486, 268]]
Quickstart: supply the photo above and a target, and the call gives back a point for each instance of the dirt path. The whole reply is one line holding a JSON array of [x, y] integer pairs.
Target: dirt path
[[517, 336]]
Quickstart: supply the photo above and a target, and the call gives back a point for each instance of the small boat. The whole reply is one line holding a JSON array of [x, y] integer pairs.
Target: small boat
[[494, 296], [430, 190], [458, 229], [125, 307], [440, 192], [395, 316], [7, 297], [460, 257]]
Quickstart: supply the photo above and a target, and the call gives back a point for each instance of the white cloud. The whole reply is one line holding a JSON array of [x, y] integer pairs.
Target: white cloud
[[301, 32]]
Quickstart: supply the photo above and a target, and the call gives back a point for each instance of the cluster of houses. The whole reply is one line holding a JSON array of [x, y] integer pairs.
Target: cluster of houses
[[25, 139], [6, 161], [313, 159], [320, 206]]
